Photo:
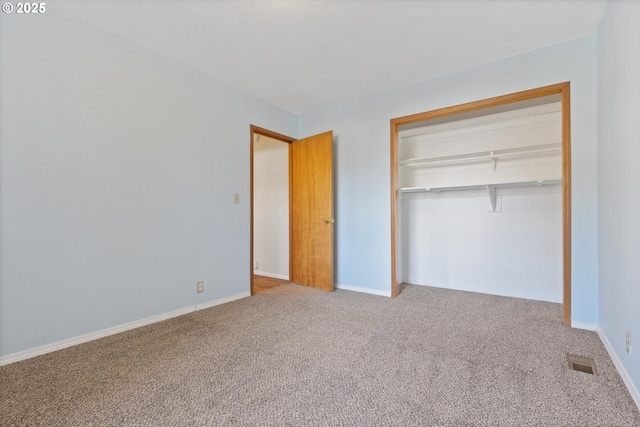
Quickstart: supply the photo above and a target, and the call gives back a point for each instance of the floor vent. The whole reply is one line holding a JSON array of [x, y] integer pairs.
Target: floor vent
[[582, 364]]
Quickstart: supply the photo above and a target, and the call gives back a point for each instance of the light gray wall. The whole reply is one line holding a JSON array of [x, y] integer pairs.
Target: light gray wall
[[619, 176], [117, 174], [361, 130]]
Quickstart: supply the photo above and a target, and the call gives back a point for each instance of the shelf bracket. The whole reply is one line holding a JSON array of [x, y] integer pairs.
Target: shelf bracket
[[491, 190]]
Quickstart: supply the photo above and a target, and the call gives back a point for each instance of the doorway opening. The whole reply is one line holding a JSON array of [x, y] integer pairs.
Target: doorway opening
[[444, 154], [310, 208], [270, 210]]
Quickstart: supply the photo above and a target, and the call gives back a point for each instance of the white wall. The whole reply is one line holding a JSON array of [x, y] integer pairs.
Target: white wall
[[456, 242], [117, 174], [271, 208], [361, 130], [619, 176]]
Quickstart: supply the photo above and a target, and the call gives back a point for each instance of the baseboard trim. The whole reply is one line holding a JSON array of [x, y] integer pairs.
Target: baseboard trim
[[222, 301], [272, 275], [363, 290], [633, 390], [69, 342], [583, 325]]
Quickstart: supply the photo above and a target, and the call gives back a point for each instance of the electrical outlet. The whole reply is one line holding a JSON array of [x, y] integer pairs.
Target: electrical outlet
[[628, 342], [200, 287], [236, 198]]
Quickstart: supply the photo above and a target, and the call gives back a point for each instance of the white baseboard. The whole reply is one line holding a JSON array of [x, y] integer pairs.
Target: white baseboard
[[633, 390], [275, 276], [363, 290], [69, 342], [585, 326], [222, 301]]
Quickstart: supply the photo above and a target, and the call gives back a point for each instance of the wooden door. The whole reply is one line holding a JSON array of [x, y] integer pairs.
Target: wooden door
[[311, 169]]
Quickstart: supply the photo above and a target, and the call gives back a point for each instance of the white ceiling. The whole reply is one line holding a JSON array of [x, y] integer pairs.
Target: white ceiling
[[306, 55]]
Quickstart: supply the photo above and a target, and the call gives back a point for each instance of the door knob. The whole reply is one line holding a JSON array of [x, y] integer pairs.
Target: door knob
[[329, 220]]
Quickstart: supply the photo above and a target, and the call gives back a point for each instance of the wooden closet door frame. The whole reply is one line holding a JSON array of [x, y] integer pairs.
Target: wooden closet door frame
[[563, 89], [255, 130]]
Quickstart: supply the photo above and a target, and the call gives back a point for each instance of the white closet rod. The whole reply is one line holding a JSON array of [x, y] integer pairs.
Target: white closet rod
[[489, 188], [538, 183]]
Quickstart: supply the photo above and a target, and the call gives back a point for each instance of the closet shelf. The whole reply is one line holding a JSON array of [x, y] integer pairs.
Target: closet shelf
[[539, 183], [492, 156], [490, 188]]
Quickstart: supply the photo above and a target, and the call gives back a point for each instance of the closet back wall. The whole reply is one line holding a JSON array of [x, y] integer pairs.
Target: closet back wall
[[456, 242]]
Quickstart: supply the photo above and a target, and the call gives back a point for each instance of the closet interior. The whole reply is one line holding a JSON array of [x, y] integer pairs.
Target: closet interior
[[480, 201]]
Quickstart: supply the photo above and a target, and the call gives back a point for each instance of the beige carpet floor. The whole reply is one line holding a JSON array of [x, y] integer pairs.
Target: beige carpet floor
[[294, 356]]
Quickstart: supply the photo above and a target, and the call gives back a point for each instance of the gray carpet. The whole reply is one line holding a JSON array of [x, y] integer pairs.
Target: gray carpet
[[294, 356]]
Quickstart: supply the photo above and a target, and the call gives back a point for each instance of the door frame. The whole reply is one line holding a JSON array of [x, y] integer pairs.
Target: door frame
[[563, 89], [256, 130]]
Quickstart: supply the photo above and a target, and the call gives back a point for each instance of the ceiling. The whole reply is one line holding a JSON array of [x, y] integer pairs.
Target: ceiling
[[306, 55]]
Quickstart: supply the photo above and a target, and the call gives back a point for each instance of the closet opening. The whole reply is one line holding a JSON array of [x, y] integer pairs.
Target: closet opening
[[481, 197]]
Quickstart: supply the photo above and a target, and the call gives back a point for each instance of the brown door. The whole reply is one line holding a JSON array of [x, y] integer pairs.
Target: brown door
[[311, 168]]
